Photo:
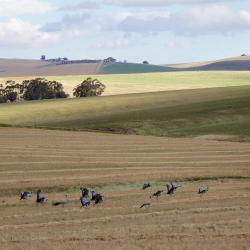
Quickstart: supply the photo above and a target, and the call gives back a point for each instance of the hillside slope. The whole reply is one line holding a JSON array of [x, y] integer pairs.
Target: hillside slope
[[128, 68], [118, 84], [21, 67], [243, 65], [223, 111], [233, 63]]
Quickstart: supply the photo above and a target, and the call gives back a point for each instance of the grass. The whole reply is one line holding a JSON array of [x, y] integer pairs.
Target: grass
[[200, 112], [137, 83]]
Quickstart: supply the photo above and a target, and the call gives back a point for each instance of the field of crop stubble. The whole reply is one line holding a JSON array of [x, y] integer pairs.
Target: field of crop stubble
[[59, 162]]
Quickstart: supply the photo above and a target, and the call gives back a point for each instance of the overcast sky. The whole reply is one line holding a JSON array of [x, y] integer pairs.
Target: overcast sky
[[160, 31]]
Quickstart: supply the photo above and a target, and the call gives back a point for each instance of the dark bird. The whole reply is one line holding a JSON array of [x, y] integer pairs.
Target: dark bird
[[202, 190], [85, 192], [25, 195], [146, 185], [40, 198], [171, 187], [61, 202], [145, 204], [98, 198], [85, 201], [93, 195], [157, 193]]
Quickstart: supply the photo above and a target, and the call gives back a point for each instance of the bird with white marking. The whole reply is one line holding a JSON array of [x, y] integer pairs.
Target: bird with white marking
[[25, 195]]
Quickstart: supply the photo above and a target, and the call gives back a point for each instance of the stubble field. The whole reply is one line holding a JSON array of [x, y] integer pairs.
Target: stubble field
[[60, 162]]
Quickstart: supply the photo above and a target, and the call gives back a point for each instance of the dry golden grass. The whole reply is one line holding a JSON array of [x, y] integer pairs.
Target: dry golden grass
[[60, 162]]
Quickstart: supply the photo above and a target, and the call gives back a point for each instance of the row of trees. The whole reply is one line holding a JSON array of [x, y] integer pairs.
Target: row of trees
[[41, 88]]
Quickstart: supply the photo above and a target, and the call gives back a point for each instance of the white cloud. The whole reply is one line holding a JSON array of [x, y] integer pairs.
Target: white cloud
[[113, 43], [155, 3], [20, 7], [83, 5], [68, 22], [171, 44], [16, 33], [192, 21]]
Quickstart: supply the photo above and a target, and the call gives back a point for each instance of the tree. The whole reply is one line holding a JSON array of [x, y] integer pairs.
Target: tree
[[3, 99], [89, 87], [40, 88], [9, 92], [12, 90]]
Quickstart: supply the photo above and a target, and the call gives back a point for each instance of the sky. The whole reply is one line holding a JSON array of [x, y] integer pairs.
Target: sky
[[160, 31]]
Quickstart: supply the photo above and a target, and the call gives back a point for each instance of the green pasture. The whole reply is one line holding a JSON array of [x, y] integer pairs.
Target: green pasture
[[212, 111]]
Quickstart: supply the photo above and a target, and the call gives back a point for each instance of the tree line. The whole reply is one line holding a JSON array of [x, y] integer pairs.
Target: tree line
[[41, 88]]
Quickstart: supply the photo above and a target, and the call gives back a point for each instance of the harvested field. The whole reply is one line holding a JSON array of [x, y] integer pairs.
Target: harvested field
[[22, 67], [60, 162]]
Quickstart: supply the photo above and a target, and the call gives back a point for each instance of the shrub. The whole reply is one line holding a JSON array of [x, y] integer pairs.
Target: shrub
[[89, 87]]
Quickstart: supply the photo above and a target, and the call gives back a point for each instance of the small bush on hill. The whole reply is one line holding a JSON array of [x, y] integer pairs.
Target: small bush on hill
[[89, 87]]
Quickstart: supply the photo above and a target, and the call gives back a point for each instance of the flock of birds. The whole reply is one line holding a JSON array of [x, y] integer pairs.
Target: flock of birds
[[97, 198], [171, 189], [85, 199]]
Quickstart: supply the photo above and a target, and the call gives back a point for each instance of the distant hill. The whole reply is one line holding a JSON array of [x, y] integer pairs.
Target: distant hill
[[126, 68], [233, 63], [23, 67], [31, 68]]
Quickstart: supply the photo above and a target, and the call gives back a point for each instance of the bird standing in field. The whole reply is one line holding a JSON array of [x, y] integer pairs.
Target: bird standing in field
[[40, 198], [98, 198], [61, 202], [85, 192], [85, 201], [25, 195], [146, 185], [202, 190], [145, 204], [157, 194], [93, 195]]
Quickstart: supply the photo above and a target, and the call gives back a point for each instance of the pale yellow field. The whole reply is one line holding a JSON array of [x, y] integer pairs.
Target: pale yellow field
[[60, 162], [118, 84]]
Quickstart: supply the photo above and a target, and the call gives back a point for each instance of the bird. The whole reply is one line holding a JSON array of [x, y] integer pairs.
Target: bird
[[85, 191], [25, 195], [145, 204], [61, 202], [85, 201], [146, 185], [171, 187], [98, 198], [93, 195], [157, 193], [202, 190], [40, 198]]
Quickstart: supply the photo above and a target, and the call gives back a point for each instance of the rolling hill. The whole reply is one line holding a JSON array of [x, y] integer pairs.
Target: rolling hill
[[30, 68], [23, 67], [128, 68], [233, 63], [214, 111]]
